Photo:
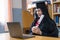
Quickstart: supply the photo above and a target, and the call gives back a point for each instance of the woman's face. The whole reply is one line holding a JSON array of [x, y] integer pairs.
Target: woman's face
[[39, 12]]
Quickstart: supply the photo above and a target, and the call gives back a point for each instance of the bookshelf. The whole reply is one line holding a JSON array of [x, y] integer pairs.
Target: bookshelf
[[56, 14], [56, 2], [56, 11]]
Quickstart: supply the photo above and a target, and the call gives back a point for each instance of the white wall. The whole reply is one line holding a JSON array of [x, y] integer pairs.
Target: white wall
[[16, 3], [3, 14], [3, 10], [16, 10]]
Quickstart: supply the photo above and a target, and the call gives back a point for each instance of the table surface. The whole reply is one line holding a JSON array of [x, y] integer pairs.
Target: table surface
[[6, 36]]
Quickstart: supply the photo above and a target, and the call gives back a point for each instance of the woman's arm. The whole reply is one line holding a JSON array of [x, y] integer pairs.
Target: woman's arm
[[33, 24]]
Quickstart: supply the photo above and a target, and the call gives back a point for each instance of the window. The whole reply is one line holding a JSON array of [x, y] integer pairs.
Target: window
[[3, 13]]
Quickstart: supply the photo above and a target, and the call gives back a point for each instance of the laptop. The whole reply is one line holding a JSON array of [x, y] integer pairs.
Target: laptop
[[16, 30]]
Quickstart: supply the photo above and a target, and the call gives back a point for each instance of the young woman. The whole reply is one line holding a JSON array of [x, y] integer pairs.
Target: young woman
[[43, 24]]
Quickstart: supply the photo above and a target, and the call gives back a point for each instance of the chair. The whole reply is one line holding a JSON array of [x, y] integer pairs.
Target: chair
[[27, 19]]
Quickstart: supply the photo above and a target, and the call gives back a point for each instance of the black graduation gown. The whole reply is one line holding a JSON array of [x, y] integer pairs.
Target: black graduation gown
[[47, 26]]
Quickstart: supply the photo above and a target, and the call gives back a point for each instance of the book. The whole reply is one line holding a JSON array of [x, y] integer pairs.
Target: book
[[57, 20], [56, 8]]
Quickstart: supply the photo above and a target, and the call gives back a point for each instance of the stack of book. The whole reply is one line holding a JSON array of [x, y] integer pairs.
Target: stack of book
[[57, 20], [56, 8]]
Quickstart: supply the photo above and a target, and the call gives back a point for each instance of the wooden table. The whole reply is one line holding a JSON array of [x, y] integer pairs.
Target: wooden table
[[6, 36]]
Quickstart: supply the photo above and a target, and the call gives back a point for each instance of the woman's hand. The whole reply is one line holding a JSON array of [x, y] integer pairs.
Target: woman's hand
[[36, 30]]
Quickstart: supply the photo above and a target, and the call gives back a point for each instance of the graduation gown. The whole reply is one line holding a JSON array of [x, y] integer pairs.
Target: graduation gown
[[47, 27]]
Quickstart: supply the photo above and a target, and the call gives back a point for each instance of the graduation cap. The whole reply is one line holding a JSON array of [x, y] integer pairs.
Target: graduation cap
[[42, 6]]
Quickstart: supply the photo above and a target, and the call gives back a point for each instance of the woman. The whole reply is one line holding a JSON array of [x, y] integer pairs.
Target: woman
[[43, 24]]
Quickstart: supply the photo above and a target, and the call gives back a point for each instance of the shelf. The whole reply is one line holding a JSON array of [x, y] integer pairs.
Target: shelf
[[56, 2], [56, 14], [58, 25]]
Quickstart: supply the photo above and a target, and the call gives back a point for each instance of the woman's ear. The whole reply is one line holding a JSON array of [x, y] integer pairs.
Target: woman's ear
[[35, 15]]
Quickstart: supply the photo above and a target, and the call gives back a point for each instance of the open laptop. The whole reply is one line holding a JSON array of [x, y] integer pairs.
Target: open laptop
[[16, 30]]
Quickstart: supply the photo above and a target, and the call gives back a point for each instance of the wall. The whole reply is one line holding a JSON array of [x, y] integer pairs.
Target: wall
[[24, 5], [17, 10], [3, 14], [14, 12]]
